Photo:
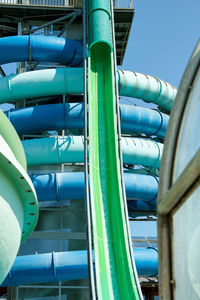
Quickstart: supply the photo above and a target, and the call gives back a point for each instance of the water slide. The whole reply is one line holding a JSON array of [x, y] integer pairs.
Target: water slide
[[115, 272], [70, 186], [41, 48], [70, 149], [70, 116], [61, 81], [64, 80], [70, 265]]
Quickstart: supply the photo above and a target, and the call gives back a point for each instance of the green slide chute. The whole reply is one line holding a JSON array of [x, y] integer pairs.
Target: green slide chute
[[116, 277]]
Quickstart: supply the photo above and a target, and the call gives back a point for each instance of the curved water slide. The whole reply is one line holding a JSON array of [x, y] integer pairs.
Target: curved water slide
[[64, 80], [70, 81], [70, 116], [70, 185], [70, 149], [41, 48], [70, 265], [141, 190]]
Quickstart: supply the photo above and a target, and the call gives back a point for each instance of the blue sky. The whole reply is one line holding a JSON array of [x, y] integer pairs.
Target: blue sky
[[162, 38]]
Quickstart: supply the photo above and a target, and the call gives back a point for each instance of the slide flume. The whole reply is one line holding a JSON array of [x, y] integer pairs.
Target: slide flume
[[114, 270], [116, 275]]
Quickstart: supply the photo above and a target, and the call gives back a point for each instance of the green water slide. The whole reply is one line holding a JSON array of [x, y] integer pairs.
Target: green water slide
[[116, 277]]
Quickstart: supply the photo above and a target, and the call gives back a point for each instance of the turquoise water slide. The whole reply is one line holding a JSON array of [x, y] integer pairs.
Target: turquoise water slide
[[70, 81], [70, 149], [116, 276]]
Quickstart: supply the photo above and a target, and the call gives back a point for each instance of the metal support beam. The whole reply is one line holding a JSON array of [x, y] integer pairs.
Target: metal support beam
[[58, 235], [34, 65], [69, 23], [8, 28], [3, 74], [52, 22]]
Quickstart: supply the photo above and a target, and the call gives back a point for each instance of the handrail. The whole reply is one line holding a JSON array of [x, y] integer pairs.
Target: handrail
[[86, 164], [127, 4], [123, 4]]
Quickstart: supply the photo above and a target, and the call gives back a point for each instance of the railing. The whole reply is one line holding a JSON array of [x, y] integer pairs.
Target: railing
[[144, 242], [67, 3], [123, 4]]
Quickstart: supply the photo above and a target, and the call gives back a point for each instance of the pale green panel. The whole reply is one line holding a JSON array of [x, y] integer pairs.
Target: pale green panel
[[186, 248], [20, 192], [10, 238], [12, 139], [11, 223], [18, 202], [189, 135]]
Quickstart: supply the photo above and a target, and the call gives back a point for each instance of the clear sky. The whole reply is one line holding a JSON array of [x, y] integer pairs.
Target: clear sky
[[162, 38]]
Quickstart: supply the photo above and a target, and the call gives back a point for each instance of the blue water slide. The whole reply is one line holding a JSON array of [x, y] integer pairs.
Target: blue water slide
[[71, 116], [70, 186], [71, 265], [70, 52], [41, 48]]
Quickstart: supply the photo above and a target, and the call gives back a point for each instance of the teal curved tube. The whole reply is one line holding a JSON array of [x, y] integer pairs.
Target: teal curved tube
[[70, 149], [41, 83], [70, 81], [147, 88]]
